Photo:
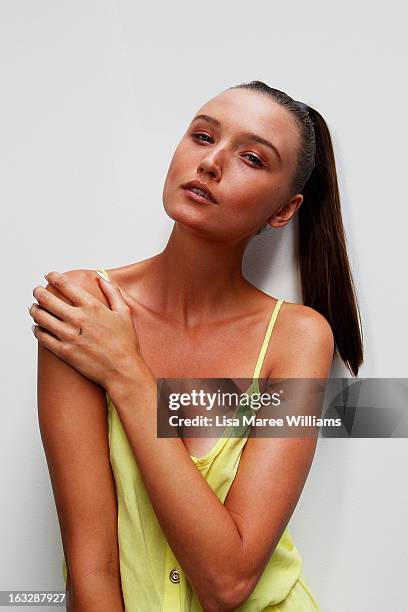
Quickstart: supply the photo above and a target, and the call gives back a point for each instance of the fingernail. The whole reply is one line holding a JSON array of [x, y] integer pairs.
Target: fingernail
[[103, 275]]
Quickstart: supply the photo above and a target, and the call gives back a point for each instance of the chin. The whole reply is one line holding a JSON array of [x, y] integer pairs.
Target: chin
[[185, 212]]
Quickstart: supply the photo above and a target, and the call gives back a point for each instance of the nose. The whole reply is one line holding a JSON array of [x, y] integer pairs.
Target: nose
[[209, 165]]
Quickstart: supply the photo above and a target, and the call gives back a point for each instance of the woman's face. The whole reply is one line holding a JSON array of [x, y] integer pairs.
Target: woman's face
[[248, 179]]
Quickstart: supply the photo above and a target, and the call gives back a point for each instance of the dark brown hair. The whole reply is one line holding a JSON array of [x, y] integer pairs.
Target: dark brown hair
[[326, 278]]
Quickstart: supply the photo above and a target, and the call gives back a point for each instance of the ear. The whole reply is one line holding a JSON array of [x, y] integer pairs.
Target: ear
[[284, 213]]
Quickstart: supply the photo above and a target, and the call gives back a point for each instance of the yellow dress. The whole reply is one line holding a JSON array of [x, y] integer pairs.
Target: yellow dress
[[152, 578]]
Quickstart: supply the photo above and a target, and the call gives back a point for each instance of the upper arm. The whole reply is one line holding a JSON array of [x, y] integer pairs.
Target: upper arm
[[72, 413], [272, 471]]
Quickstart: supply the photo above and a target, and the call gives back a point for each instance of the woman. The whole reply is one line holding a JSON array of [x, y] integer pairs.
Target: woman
[[185, 524]]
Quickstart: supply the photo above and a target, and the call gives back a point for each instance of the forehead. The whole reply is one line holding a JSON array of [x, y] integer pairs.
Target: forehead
[[243, 110]]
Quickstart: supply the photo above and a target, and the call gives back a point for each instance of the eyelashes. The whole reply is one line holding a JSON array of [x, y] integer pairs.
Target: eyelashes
[[258, 163]]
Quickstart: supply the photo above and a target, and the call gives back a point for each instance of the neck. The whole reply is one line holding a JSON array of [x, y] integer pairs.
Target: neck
[[198, 280]]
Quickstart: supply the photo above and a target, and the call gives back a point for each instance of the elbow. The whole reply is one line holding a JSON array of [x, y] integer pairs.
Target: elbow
[[227, 596]]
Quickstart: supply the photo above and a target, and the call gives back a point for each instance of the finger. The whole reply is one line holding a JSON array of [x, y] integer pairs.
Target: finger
[[76, 294], [52, 303], [113, 295], [128, 298], [47, 321], [47, 340]]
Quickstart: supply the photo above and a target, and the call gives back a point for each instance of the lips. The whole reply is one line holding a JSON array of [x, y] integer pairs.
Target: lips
[[201, 186]]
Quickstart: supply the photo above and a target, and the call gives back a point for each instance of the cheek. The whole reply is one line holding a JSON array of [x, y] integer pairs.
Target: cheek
[[179, 169], [250, 191], [172, 179]]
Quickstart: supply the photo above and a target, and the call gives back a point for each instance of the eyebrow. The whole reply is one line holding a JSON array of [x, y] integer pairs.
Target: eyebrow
[[248, 135]]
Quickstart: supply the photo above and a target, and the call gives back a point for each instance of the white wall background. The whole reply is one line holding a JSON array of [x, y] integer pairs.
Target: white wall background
[[95, 96]]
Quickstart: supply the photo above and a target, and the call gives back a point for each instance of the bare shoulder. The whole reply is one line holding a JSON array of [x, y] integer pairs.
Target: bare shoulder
[[128, 276], [87, 279], [84, 278], [306, 321], [306, 342]]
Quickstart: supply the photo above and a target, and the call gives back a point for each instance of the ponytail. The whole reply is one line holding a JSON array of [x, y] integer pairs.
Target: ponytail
[[325, 275]]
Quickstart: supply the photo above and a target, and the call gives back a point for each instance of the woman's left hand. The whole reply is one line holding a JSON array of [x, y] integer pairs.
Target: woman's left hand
[[99, 342]]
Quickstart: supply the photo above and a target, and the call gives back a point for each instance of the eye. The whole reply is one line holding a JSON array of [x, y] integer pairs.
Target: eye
[[255, 161], [196, 135], [259, 163]]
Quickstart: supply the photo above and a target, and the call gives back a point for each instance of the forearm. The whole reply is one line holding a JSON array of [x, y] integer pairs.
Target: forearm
[[200, 530], [97, 591]]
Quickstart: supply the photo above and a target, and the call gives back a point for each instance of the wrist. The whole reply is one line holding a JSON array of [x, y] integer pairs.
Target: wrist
[[129, 381], [101, 592]]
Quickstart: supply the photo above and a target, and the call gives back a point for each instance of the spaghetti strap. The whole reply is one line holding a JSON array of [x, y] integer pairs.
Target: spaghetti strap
[[265, 343]]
